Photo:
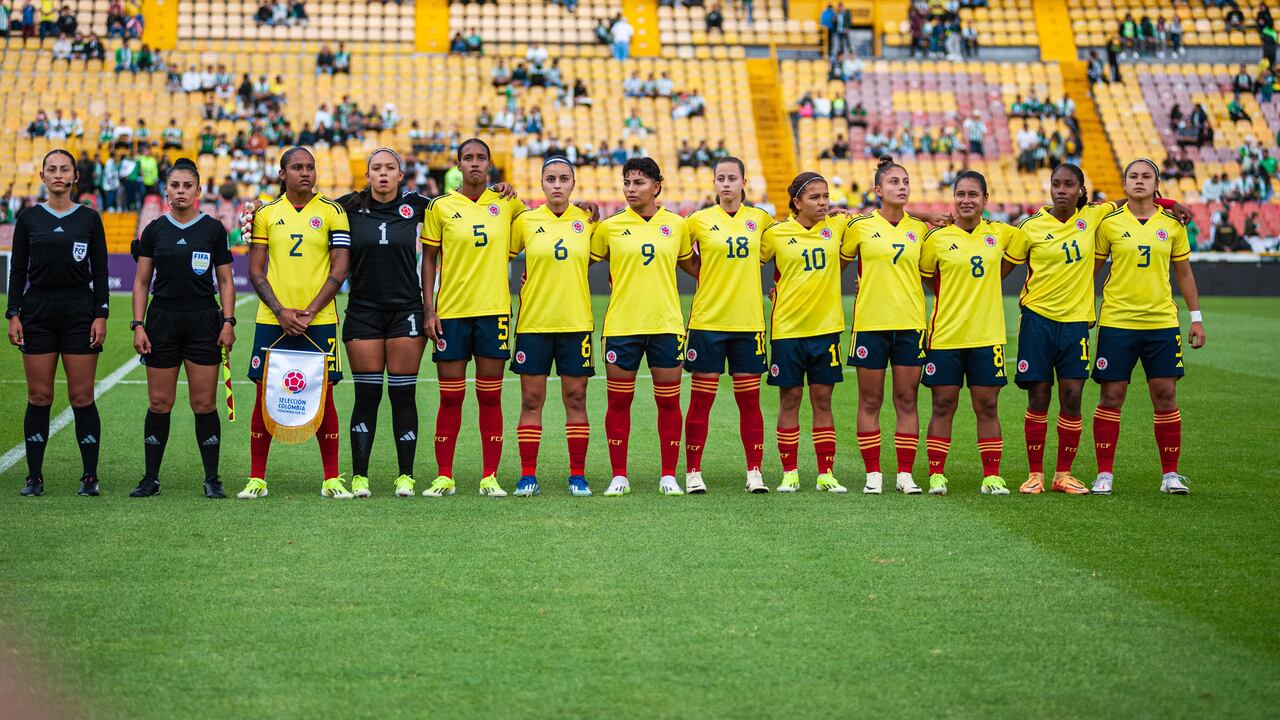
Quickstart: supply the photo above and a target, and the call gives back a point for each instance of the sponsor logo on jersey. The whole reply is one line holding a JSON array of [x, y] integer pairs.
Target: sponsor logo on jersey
[[1023, 366], [715, 228], [280, 221], [665, 230], [520, 356], [457, 216], [861, 352], [539, 230], [990, 240], [316, 223], [773, 370], [626, 232], [1081, 225], [1126, 234], [930, 368], [875, 235], [494, 210], [182, 241], [911, 236], [441, 345], [1162, 234], [1048, 236], [199, 262], [578, 227], [692, 355], [611, 356], [954, 247], [406, 211], [294, 381], [1102, 363], [58, 229], [79, 251], [256, 362], [792, 241], [826, 233], [751, 226]]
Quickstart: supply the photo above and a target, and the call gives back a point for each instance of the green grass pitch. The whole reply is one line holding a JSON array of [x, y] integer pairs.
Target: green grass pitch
[[726, 605]]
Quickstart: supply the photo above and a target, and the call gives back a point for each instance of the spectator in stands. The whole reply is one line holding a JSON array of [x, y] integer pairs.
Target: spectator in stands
[[828, 22], [93, 48], [688, 105], [109, 183], [172, 135], [715, 19], [621, 33], [263, 16], [633, 125], [324, 60], [702, 156], [1147, 35], [664, 86], [1173, 30], [1199, 121], [976, 132], [1115, 52], [147, 62], [840, 148], [1212, 189], [125, 58], [858, 115], [1236, 111], [603, 34], [62, 49], [821, 106], [458, 44], [877, 143], [28, 21], [1225, 236], [39, 127], [1243, 81], [1128, 31], [684, 155], [48, 19], [500, 74], [116, 20], [850, 67], [475, 43], [66, 22], [1234, 19], [298, 13], [969, 41]]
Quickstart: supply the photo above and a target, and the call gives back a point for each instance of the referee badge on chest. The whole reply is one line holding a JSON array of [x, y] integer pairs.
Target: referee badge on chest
[[79, 251], [199, 262]]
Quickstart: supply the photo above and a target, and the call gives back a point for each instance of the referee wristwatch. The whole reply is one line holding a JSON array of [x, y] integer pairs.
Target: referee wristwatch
[[229, 321], [135, 324]]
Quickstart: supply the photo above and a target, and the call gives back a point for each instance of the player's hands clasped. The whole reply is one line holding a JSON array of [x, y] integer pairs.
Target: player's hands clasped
[[294, 322]]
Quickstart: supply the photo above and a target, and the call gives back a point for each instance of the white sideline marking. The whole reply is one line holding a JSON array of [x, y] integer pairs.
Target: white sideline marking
[[19, 451]]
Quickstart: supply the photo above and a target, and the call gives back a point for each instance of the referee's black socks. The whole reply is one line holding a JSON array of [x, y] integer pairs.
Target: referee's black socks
[[155, 437], [403, 392], [35, 428], [364, 419], [209, 438], [88, 436]]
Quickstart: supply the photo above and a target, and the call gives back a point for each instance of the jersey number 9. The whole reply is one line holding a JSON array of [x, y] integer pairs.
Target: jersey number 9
[[647, 250]]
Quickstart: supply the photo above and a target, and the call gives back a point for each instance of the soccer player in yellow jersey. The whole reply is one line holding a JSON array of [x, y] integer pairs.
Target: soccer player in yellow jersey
[[727, 321], [807, 319], [466, 236], [298, 259], [555, 323], [1139, 321], [888, 322], [967, 332], [644, 245]]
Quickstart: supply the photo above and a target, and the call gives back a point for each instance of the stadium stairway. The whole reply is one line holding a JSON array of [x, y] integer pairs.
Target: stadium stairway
[[121, 229], [773, 128], [431, 28], [643, 16], [1057, 44]]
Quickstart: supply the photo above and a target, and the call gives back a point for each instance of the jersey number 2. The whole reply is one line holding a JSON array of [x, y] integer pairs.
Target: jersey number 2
[[297, 243]]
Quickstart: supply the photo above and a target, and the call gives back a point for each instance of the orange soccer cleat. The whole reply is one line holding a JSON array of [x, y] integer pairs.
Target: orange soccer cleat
[[1064, 483], [1034, 484]]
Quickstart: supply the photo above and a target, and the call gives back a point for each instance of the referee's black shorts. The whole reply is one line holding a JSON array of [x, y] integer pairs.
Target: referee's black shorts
[[183, 331], [57, 322]]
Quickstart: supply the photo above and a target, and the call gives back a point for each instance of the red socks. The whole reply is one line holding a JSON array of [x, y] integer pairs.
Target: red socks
[[937, 449], [701, 396], [869, 446], [1106, 433], [259, 439], [1169, 439], [746, 392], [906, 445], [617, 422], [990, 450], [670, 424], [1069, 429], [1035, 427], [489, 397], [448, 420], [327, 435], [529, 437], [577, 435], [788, 447], [824, 446]]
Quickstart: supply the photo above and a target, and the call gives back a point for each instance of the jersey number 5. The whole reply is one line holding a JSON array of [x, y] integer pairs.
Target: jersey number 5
[[478, 232]]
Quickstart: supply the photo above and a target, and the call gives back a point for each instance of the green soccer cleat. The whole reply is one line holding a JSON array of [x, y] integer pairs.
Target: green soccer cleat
[[360, 486], [994, 485], [333, 488], [404, 486], [440, 487], [489, 487], [256, 488], [937, 484], [828, 483], [790, 482]]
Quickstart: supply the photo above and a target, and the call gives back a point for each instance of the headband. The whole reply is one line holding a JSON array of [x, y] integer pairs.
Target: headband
[[806, 182], [1150, 162], [559, 159], [368, 161]]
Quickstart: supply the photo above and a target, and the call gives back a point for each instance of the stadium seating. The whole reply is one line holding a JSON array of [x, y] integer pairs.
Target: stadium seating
[[1004, 23], [1093, 22], [330, 21]]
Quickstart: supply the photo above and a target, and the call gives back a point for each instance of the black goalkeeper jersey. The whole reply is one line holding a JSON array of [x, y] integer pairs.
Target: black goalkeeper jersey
[[384, 253], [59, 253], [185, 255]]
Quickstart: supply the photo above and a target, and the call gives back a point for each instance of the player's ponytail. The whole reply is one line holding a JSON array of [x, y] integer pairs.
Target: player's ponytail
[[183, 165], [886, 164]]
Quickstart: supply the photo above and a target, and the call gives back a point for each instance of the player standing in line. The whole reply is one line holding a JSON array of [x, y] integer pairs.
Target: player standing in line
[[967, 334], [807, 319], [467, 235], [1139, 320], [384, 328], [644, 245], [183, 250], [61, 248], [727, 321], [555, 323], [298, 260], [888, 322]]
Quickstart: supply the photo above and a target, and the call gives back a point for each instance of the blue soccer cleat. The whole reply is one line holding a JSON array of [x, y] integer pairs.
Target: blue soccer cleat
[[527, 487], [578, 486]]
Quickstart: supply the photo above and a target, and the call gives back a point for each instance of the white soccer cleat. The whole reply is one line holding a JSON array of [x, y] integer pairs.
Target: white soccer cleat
[[618, 487], [668, 486], [1102, 485], [874, 484], [1174, 484], [755, 482], [906, 484], [693, 483]]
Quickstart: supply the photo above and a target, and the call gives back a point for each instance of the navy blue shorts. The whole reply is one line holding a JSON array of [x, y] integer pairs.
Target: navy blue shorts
[[709, 350], [571, 352], [665, 350], [324, 336], [465, 338], [877, 349], [1119, 351], [981, 366], [1046, 346], [794, 359]]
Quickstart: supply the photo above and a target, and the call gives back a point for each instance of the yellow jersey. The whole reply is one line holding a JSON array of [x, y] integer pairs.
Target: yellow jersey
[[890, 296], [968, 310], [729, 296], [298, 243], [806, 298], [1137, 295], [557, 250], [642, 256], [1059, 262], [474, 237]]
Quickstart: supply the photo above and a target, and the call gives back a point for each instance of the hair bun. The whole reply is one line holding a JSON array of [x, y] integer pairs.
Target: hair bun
[[183, 163], [885, 160]]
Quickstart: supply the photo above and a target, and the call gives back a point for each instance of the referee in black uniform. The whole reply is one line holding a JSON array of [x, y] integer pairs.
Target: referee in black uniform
[[184, 249], [61, 249]]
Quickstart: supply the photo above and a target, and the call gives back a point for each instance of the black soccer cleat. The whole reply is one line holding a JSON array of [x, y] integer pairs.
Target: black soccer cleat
[[146, 488], [34, 486], [213, 489], [88, 486]]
